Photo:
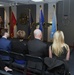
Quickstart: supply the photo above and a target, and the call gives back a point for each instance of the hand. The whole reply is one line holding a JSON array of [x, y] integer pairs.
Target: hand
[[7, 69]]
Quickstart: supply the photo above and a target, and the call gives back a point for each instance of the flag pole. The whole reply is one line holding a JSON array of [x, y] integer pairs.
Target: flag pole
[[41, 21], [54, 23], [55, 14], [29, 25], [40, 7]]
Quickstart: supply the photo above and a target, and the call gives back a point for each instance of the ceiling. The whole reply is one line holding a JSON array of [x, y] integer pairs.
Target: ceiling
[[10, 2]]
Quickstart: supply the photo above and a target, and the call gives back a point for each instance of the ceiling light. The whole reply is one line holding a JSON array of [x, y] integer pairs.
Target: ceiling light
[[1, 5], [37, 0]]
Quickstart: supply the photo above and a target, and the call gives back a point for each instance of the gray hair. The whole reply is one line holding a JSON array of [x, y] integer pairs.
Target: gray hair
[[37, 32]]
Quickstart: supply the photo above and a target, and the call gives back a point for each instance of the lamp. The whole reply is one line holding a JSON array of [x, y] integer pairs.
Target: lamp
[[37, 0]]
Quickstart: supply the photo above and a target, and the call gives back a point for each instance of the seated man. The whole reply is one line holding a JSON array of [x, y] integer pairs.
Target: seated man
[[4, 67], [37, 48], [5, 44]]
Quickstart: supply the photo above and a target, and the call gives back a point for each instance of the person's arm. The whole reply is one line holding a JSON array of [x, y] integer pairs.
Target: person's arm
[[50, 52], [7, 69], [9, 47], [68, 53], [3, 66]]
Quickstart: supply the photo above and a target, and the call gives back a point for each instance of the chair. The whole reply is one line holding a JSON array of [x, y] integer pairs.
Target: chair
[[55, 66], [6, 53], [17, 56], [4, 73], [36, 60]]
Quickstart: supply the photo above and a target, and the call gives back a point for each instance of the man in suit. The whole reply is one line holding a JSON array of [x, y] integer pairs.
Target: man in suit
[[36, 47], [5, 44]]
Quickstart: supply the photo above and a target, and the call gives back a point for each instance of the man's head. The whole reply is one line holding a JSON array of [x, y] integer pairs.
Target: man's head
[[38, 34], [4, 32]]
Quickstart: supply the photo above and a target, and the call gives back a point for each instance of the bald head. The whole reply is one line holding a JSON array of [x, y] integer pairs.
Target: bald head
[[37, 33]]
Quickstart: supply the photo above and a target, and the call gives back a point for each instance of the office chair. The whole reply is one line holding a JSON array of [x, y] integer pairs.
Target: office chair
[[32, 65], [15, 65], [55, 66], [6, 53], [4, 73]]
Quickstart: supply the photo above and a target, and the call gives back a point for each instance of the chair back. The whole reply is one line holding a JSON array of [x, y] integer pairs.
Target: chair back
[[36, 60], [33, 58], [16, 56], [4, 53]]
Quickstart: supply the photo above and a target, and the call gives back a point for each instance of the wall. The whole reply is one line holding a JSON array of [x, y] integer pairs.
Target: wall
[[25, 9], [47, 9], [2, 13], [65, 14], [33, 7]]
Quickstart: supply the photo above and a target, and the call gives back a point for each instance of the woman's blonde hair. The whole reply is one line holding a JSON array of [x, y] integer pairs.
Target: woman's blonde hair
[[58, 41]]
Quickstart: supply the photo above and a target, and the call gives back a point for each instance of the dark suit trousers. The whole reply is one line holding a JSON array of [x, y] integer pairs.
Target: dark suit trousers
[[2, 64]]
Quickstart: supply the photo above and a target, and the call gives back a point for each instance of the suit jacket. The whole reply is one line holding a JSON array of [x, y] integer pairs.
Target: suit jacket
[[5, 44], [19, 47], [37, 48]]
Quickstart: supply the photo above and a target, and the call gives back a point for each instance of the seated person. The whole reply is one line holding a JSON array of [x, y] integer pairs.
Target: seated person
[[19, 45], [37, 48], [59, 49], [4, 67], [5, 44]]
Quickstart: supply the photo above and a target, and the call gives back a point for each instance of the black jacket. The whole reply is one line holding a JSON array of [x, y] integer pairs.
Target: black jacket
[[19, 46], [37, 48]]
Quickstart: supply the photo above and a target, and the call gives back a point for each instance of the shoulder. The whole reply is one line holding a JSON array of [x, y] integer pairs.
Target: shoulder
[[50, 47], [66, 46], [8, 41], [43, 43], [30, 41]]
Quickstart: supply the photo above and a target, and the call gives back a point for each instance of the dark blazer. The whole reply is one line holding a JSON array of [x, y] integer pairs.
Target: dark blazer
[[19, 47], [5, 44], [37, 48]]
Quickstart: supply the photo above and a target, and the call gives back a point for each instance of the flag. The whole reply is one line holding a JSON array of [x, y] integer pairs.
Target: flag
[[13, 24], [41, 20], [54, 25], [30, 23]]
